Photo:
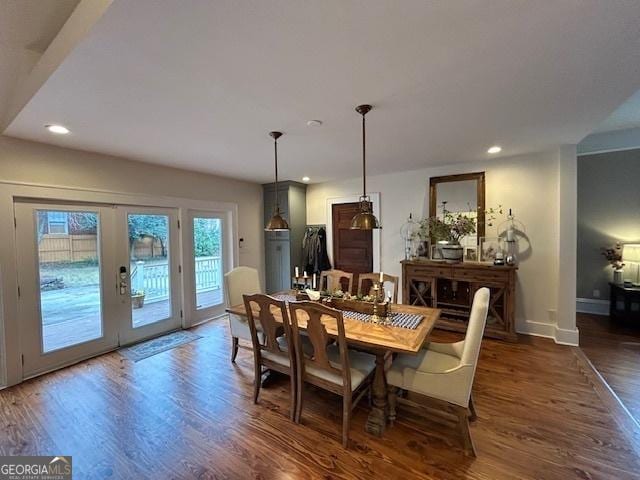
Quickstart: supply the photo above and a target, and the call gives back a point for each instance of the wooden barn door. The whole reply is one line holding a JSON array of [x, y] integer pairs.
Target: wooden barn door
[[352, 249]]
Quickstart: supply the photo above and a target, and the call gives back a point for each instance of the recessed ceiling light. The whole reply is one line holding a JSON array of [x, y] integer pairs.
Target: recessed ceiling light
[[59, 129], [305, 179], [314, 123], [495, 149]]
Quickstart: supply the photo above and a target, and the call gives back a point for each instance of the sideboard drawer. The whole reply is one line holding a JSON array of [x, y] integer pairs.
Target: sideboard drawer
[[430, 271], [489, 276]]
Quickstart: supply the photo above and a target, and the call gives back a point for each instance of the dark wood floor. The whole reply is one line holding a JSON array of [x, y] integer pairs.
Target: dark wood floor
[[188, 413], [614, 350]]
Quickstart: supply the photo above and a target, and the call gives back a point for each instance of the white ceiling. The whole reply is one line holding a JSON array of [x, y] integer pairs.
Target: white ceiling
[[199, 84], [625, 116], [27, 28]]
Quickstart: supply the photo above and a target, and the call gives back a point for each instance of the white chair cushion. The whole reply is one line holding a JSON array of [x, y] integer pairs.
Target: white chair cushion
[[282, 359], [362, 364], [427, 361]]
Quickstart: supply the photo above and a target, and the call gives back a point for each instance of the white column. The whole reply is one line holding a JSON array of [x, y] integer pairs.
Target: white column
[[138, 283], [566, 331]]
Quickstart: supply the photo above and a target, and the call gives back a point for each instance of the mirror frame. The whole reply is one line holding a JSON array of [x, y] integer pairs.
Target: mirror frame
[[480, 186]]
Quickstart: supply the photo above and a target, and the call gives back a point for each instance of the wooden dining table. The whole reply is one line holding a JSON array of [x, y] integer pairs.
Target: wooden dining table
[[379, 340]]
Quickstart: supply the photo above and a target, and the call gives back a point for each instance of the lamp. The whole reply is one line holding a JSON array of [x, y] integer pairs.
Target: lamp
[[364, 219], [631, 253], [276, 222]]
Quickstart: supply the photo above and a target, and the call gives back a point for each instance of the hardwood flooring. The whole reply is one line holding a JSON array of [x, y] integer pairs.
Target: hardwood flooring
[[614, 350], [188, 413]]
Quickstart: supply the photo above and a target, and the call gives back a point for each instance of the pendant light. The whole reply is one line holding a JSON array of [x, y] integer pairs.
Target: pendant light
[[364, 219], [276, 222]]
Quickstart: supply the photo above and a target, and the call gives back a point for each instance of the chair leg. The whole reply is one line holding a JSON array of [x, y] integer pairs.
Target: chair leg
[[463, 417], [392, 399], [257, 382], [234, 349], [472, 409], [299, 396], [294, 392], [346, 420]]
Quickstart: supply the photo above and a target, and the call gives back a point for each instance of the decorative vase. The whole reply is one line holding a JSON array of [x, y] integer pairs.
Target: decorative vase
[[452, 252], [618, 276]]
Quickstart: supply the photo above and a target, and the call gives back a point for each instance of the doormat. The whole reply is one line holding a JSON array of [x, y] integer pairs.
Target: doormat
[[161, 344]]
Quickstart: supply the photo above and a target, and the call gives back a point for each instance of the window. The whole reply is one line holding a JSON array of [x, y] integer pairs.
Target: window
[[58, 222]]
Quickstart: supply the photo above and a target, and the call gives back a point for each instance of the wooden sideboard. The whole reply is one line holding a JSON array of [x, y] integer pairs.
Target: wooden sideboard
[[451, 286]]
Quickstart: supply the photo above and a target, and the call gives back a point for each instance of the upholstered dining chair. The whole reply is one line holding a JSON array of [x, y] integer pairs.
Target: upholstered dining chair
[[271, 349], [237, 282], [367, 280], [332, 280], [444, 371], [330, 366]]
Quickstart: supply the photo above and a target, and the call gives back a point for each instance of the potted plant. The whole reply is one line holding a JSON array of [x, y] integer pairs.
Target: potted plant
[[137, 298], [614, 257], [448, 229]]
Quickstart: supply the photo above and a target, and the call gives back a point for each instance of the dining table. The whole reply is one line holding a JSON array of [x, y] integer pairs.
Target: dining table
[[378, 339]]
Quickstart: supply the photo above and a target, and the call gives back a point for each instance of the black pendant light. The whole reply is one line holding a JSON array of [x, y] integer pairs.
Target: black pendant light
[[276, 222], [364, 219]]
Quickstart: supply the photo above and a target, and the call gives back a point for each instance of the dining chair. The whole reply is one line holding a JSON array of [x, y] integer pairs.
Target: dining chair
[[237, 282], [366, 281], [272, 349], [330, 366], [444, 371], [332, 280]]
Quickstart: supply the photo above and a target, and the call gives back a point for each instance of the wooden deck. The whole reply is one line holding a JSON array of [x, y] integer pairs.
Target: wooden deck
[[72, 321], [188, 413]]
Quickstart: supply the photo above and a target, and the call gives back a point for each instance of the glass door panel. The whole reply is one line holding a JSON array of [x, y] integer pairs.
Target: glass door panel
[[63, 260], [207, 246], [69, 273], [149, 258], [151, 294], [207, 257]]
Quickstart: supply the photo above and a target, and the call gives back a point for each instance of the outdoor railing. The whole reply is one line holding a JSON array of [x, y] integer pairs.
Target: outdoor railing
[[153, 278]]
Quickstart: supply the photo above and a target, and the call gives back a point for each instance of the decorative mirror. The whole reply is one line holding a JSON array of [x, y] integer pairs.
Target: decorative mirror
[[462, 193]]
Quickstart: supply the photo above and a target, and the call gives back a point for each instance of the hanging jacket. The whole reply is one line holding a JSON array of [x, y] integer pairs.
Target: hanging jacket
[[314, 250]]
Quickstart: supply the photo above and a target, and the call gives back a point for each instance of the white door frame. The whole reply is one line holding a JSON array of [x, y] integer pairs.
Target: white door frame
[[11, 191], [35, 360], [375, 200], [196, 316]]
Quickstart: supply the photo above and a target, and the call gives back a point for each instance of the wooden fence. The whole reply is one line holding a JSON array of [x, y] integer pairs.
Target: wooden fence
[[75, 248], [67, 248]]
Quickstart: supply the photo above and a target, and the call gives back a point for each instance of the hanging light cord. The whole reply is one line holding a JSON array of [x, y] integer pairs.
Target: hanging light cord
[[275, 149], [364, 161]]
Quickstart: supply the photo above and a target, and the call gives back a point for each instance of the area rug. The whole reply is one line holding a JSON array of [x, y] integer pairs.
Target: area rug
[[154, 346]]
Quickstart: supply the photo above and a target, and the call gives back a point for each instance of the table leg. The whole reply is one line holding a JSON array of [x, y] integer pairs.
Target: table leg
[[377, 421]]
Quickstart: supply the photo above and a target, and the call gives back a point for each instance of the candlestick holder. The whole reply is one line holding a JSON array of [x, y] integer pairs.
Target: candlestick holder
[[375, 318]]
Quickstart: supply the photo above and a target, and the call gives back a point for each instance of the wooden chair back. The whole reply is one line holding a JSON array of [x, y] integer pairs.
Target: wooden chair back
[[367, 280], [271, 328], [319, 338], [332, 280]]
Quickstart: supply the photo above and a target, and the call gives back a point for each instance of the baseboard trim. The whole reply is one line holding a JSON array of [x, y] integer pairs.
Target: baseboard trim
[[550, 330], [592, 306], [627, 423]]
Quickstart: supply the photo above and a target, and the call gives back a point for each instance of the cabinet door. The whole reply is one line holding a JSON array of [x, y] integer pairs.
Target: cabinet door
[[277, 263]]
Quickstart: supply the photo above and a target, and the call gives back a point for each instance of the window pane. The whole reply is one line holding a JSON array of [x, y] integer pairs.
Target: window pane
[[70, 299], [207, 245], [149, 267]]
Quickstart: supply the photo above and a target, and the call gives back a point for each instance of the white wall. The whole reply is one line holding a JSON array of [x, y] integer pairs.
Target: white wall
[[529, 184], [100, 177]]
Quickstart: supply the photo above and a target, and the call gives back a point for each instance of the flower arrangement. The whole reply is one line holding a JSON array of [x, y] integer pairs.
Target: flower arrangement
[[613, 255]]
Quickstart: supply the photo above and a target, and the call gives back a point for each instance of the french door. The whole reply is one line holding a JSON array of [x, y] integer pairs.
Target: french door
[[91, 278], [207, 261], [148, 272]]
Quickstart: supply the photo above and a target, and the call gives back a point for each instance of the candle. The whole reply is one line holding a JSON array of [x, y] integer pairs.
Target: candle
[[381, 277], [305, 274], [313, 282], [297, 272]]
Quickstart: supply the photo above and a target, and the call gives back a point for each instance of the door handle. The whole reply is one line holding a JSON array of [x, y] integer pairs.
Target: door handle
[[123, 285]]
